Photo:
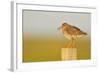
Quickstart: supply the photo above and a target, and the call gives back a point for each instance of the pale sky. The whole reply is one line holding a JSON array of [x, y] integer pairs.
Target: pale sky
[[38, 23]]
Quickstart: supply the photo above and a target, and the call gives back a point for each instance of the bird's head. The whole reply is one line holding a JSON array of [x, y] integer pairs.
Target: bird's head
[[64, 24]]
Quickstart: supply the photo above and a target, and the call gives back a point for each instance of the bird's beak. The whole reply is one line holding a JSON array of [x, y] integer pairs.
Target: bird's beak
[[59, 28]]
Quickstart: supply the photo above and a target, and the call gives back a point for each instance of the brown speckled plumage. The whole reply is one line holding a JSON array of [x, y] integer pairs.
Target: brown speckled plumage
[[71, 31]]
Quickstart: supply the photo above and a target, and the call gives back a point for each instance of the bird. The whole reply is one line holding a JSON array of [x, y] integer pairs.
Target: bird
[[72, 33]]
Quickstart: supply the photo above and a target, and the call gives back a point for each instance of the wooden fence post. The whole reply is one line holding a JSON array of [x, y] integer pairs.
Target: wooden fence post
[[69, 54]]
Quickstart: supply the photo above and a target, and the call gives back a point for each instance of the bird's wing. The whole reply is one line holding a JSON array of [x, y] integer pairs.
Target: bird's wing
[[77, 31], [75, 28]]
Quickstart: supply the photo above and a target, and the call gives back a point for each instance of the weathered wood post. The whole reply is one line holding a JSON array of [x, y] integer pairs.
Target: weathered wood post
[[68, 54]]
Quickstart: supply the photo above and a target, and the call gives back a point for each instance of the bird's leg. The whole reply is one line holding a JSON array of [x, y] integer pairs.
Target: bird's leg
[[70, 44], [73, 43]]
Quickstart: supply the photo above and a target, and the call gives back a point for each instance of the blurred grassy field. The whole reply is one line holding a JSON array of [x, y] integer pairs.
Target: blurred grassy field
[[49, 49]]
